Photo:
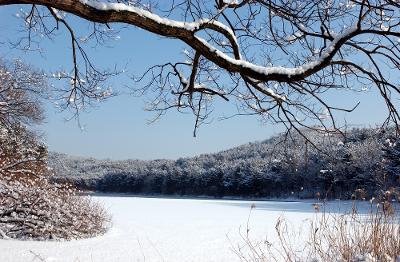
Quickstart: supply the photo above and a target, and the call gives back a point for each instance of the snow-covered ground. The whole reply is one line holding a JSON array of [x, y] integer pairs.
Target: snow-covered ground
[[159, 229]]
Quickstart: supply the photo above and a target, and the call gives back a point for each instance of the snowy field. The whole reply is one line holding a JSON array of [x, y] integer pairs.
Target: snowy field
[[159, 229]]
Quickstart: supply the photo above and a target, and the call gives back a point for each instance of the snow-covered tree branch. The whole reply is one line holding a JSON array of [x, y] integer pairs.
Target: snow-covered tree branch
[[20, 92], [277, 59]]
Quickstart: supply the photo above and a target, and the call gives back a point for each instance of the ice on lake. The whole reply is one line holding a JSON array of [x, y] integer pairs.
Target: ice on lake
[[161, 229]]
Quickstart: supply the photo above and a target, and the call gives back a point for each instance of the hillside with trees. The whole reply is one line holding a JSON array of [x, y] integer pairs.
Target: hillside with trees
[[333, 166]]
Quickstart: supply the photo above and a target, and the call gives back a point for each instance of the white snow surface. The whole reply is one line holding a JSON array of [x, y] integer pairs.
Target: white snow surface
[[160, 229]]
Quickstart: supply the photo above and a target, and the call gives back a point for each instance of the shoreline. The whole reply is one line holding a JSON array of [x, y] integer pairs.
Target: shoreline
[[194, 197]]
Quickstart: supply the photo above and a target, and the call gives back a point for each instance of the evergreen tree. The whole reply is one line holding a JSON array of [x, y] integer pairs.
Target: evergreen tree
[[391, 161]]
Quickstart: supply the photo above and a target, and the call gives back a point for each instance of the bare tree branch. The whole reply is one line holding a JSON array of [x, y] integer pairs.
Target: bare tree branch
[[277, 58]]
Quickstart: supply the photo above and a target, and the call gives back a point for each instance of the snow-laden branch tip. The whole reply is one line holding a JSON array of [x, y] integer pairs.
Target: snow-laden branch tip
[[289, 72], [189, 26]]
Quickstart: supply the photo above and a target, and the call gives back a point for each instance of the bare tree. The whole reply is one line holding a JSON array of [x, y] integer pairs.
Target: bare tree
[[20, 90], [279, 59]]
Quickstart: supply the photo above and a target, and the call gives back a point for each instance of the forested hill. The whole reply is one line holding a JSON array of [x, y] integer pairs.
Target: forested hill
[[278, 167]]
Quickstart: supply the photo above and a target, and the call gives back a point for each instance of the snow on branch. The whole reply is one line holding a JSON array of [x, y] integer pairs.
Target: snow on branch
[[267, 73], [275, 58]]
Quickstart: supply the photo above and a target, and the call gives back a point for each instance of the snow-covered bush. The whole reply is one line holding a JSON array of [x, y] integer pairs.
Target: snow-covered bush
[[31, 205], [41, 210], [21, 154]]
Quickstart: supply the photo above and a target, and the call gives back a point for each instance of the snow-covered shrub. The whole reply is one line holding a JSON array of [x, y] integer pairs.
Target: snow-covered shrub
[[41, 210], [31, 205], [21, 154]]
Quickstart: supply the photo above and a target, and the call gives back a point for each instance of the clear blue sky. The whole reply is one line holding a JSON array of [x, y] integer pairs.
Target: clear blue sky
[[118, 128]]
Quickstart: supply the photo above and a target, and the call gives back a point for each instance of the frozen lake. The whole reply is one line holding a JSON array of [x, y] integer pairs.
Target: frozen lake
[[160, 229]]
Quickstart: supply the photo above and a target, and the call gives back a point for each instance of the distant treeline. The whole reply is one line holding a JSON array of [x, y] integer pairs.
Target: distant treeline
[[335, 166]]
